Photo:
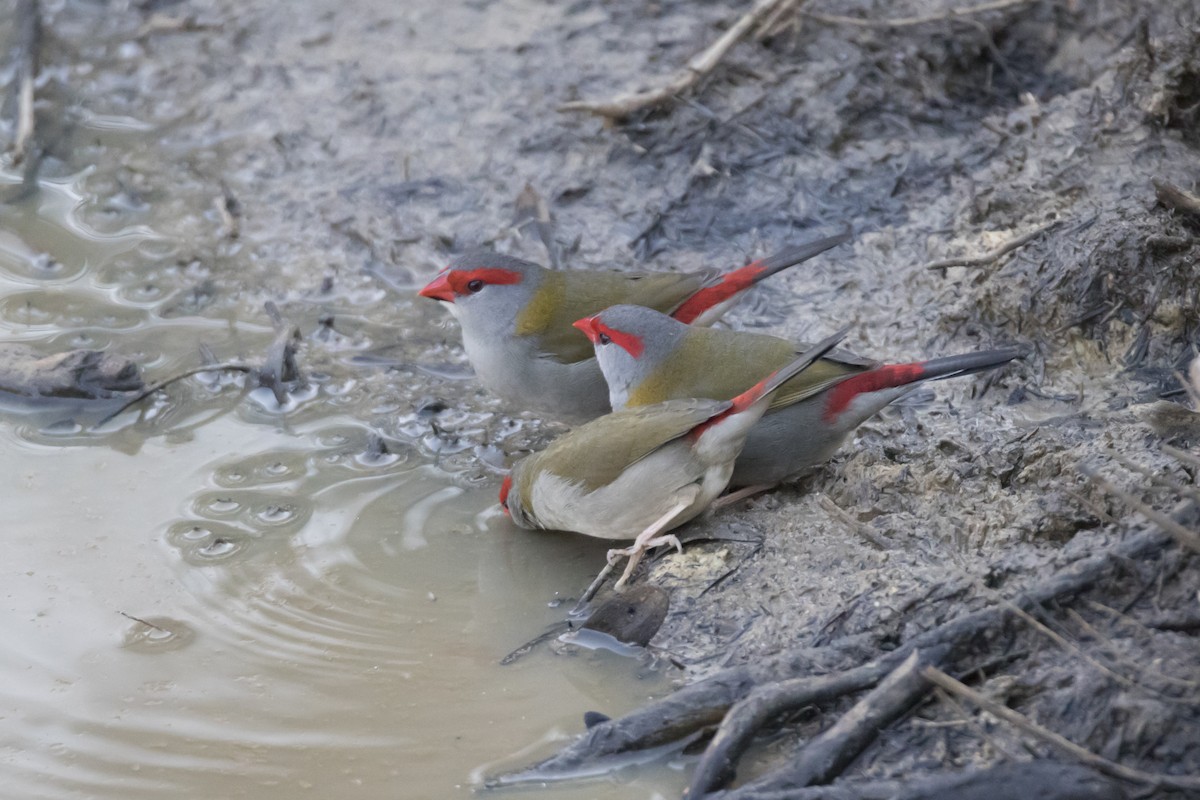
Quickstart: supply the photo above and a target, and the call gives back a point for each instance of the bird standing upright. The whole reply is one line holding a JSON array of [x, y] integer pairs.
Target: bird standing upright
[[649, 358], [640, 472], [516, 319]]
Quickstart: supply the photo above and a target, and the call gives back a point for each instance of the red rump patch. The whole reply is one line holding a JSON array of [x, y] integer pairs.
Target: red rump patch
[[738, 405], [885, 377], [458, 279], [505, 488], [737, 281]]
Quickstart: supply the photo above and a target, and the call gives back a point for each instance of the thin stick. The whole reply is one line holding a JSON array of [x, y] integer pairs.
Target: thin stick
[[699, 66], [1072, 647], [771, 23], [1176, 197], [1156, 480], [828, 754], [993, 255], [1113, 653], [862, 530], [29, 39], [906, 22], [1061, 743], [1181, 455], [154, 387], [1185, 537], [144, 622]]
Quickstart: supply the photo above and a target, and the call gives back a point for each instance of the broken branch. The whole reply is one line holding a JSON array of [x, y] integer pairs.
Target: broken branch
[[1060, 743], [1176, 197], [29, 40], [1185, 537], [826, 756], [702, 704], [906, 22], [699, 66], [993, 255]]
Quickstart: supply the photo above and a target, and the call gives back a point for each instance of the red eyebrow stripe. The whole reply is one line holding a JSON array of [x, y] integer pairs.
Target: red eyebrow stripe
[[459, 279], [631, 343]]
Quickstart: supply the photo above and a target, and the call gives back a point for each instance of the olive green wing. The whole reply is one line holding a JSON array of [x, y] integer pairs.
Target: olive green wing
[[564, 297], [595, 454], [722, 364]]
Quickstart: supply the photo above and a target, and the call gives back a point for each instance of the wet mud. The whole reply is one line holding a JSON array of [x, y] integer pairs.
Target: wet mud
[[339, 158]]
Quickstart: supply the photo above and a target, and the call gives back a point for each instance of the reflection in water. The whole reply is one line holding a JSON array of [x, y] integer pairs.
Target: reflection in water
[[212, 595], [215, 596], [350, 638]]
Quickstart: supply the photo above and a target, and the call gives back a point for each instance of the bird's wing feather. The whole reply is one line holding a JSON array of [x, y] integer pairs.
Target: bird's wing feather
[[719, 365], [811, 382], [595, 454], [563, 298]]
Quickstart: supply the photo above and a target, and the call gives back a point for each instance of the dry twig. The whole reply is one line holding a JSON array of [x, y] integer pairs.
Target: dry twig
[[1185, 537], [1176, 197], [29, 40], [865, 531], [993, 255], [827, 755], [1061, 743], [699, 66], [1181, 455], [906, 22], [706, 702]]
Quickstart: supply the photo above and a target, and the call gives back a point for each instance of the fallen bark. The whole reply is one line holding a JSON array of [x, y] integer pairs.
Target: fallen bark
[[75, 374], [826, 756]]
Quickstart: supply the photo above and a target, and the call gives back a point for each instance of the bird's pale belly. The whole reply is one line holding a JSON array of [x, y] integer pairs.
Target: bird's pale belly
[[567, 392], [631, 503]]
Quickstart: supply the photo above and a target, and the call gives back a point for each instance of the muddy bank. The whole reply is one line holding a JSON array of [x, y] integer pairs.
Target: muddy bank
[[366, 143]]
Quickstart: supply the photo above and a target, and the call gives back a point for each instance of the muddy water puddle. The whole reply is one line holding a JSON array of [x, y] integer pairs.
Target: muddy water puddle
[[212, 595]]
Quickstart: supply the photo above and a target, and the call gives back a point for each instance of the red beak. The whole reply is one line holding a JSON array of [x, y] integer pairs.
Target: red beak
[[439, 288], [590, 327]]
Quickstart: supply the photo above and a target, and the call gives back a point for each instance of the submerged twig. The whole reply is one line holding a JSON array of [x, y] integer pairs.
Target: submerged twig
[[165, 382], [993, 255], [144, 622], [699, 66]]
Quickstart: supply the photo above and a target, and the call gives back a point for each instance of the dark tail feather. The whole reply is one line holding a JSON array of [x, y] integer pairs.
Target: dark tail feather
[[893, 376], [766, 267], [967, 363]]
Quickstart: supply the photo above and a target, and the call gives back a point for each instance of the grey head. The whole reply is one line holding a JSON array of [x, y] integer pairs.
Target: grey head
[[485, 290], [632, 343]]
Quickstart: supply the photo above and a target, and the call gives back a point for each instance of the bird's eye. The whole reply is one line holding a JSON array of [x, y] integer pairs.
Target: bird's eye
[[475, 285], [604, 338]]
